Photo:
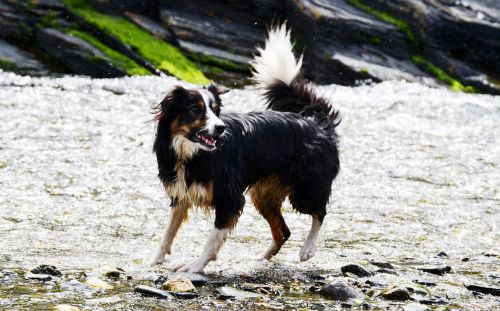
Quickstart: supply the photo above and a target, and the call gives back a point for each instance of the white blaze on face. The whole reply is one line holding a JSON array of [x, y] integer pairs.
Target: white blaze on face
[[212, 119]]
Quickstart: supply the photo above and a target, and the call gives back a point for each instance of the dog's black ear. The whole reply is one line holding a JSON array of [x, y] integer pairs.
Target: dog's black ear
[[217, 89], [167, 106]]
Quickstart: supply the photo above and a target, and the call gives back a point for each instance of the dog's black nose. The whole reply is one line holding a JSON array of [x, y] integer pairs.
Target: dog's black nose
[[219, 129]]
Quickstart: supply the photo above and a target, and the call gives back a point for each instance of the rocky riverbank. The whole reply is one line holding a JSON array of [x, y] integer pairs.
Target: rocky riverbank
[[412, 222], [344, 41]]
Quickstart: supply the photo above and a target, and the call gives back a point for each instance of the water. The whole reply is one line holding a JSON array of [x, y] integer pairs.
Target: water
[[420, 174]]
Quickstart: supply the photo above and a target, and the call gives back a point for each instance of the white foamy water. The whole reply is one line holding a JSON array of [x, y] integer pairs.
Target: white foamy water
[[420, 173]]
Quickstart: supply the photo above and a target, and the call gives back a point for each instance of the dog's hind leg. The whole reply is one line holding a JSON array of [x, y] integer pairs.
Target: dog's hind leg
[[178, 213], [309, 247], [268, 196]]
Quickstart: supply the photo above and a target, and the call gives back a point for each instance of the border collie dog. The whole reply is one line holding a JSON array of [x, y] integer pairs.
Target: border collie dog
[[210, 159]]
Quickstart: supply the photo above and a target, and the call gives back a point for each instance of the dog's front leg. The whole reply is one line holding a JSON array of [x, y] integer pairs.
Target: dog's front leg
[[226, 217], [178, 214]]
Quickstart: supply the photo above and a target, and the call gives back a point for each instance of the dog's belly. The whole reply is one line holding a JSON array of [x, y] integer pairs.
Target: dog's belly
[[197, 194]]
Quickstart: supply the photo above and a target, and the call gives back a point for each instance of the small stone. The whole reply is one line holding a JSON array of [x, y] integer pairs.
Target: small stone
[[465, 259], [415, 307], [356, 270], [77, 286], [341, 290], [65, 307], [437, 270], [152, 292], [396, 293], [195, 278], [113, 273], [442, 254], [98, 283], [484, 290], [384, 265], [228, 292], [178, 284], [38, 277], [46, 269]]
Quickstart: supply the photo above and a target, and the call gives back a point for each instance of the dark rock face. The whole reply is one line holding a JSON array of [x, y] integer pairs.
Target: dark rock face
[[344, 41], [46, 269], [19, 61], [76, 54]]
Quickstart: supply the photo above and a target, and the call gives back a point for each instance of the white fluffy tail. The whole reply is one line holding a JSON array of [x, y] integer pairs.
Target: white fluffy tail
[[276, 61]]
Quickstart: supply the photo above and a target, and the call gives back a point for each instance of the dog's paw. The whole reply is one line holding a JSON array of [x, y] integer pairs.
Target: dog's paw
[[156, 260], [270, 252], [306, 252], [191, 268]]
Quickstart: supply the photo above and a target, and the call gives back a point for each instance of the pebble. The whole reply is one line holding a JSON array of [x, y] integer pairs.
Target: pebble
[[356, 270], [339, 289], [396, 293], [442, 254], [96, 282], [195, 278], [228, 292], [38, 277], [65, 307], [415, 307], [152, 292], [46, 269], [113, 273], [437, 270], [178, 283]]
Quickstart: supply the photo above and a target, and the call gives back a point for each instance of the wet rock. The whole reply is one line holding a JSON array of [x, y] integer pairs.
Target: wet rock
[[76, 54], [152, 292], [38, 277], [396, 293], [442, 254], [65, 307], [46, 269], [95, 282], [19, 61], [151, 26], [384, 265], [433, 301], [113, 273], [436, 270], [356, 270], [484, 289], [195, 278], [75, 285], [341, 290], [228, 292], [178, 284], [372, 283], [415, 307]]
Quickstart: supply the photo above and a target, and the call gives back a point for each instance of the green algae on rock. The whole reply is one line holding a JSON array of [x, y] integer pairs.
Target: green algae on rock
[[160, 53]]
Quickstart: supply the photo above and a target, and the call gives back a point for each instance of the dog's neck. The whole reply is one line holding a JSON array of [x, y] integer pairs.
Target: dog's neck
[[184, 149]]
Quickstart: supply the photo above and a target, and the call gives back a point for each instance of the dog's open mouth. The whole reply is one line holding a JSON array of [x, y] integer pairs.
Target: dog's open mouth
[[206, 139]]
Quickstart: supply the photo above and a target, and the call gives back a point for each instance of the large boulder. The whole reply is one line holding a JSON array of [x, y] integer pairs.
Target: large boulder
[[76, 54], [19, 61]]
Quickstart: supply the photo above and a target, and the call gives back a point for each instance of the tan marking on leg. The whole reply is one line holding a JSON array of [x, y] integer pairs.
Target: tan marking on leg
[[178, 215], [267, 196]]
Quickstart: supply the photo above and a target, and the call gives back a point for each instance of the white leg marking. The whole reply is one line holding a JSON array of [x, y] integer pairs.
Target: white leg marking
[[270, 252], [309, 247], [177, 215], [215, 241]]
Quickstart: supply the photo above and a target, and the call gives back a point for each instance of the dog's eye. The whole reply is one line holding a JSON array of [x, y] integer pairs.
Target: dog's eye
[[195, 109]]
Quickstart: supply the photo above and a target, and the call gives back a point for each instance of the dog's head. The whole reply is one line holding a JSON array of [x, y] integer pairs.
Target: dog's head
[[192, 117]]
